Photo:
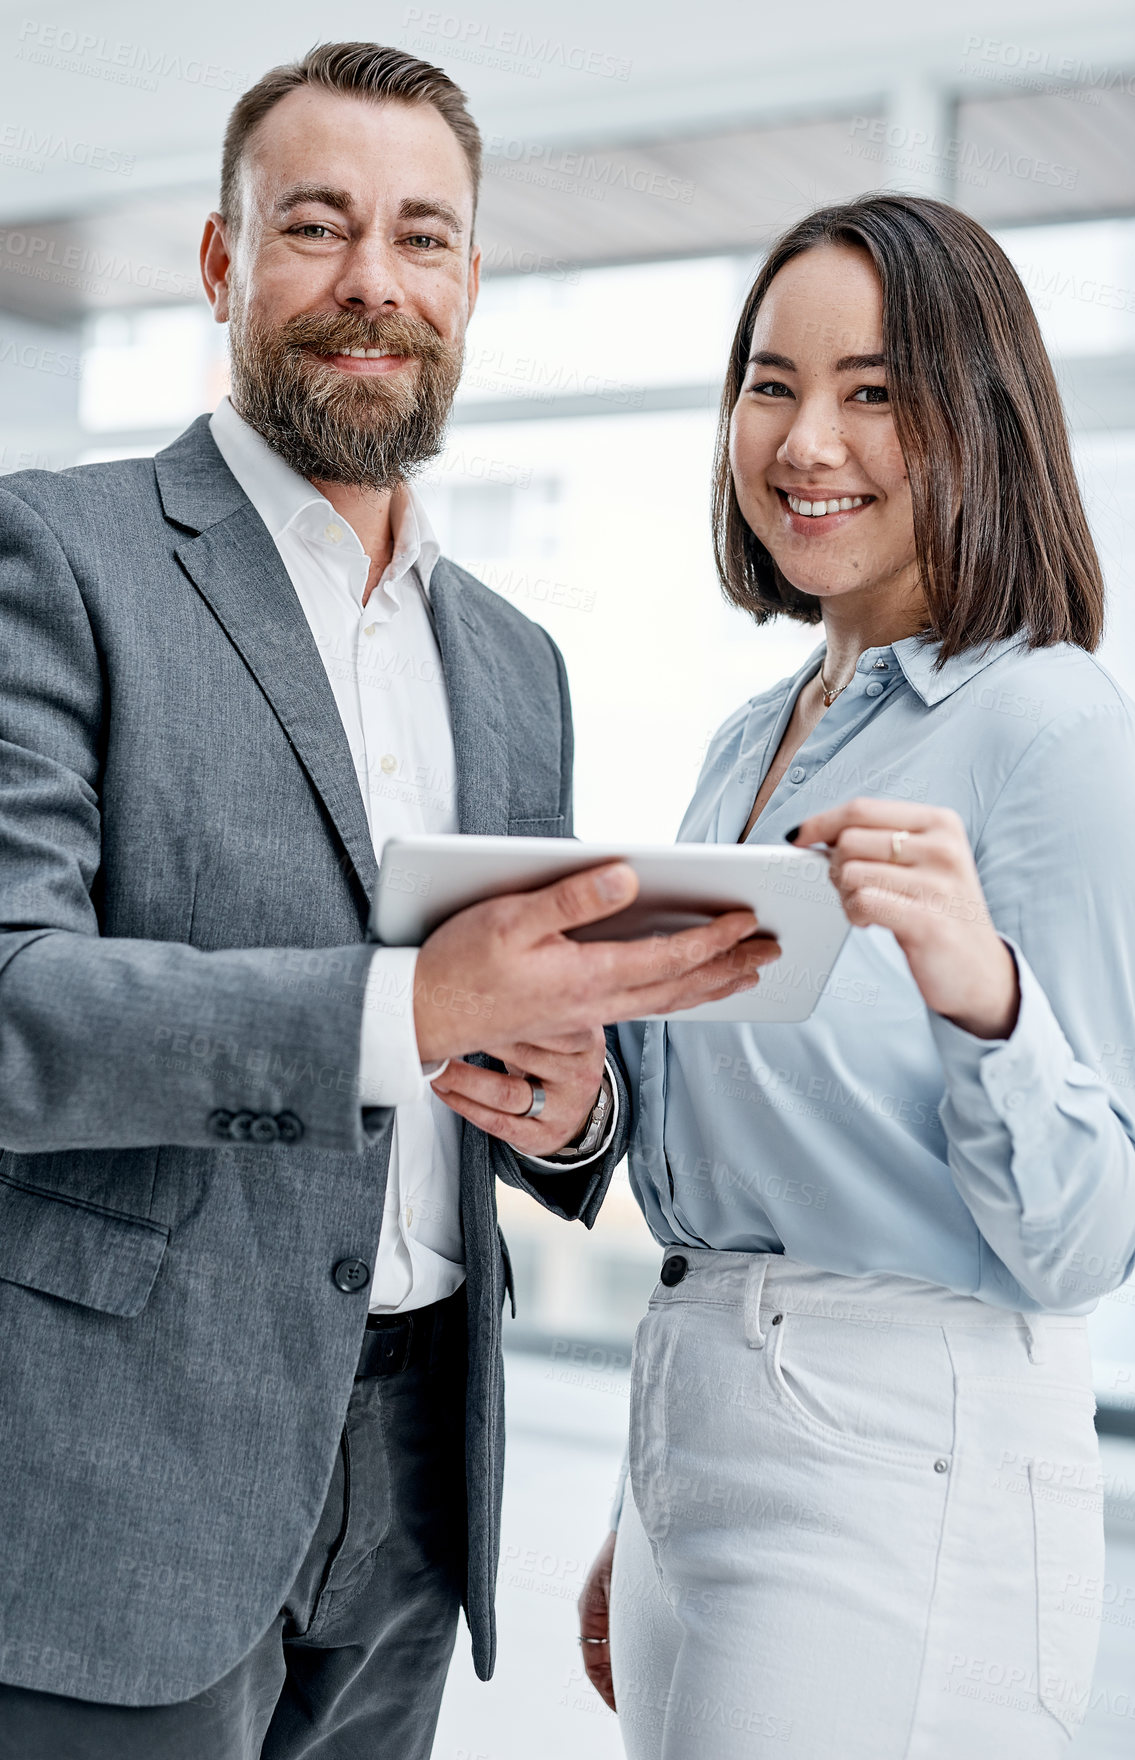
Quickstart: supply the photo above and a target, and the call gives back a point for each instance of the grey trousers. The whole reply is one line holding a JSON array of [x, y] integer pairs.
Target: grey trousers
[[353, 1666]]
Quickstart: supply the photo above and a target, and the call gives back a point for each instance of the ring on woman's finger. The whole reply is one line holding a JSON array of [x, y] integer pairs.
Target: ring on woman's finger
[[536, 1105], [898, 838], [595, 1640]]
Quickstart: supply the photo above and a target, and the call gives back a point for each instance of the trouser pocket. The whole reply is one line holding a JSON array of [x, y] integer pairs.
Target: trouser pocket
[[651, 1369], [1068, 1530]]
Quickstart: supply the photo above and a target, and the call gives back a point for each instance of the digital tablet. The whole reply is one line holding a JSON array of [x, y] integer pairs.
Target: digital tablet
[[424, 880]]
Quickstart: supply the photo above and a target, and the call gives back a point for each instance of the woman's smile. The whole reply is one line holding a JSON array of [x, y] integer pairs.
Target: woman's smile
[[815, 513]]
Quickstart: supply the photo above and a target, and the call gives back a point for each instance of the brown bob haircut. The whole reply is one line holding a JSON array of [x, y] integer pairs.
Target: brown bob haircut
[[1000, 534], [359, 70]]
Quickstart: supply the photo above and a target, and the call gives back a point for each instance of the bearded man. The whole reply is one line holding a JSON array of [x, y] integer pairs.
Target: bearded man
[[250, 1272]]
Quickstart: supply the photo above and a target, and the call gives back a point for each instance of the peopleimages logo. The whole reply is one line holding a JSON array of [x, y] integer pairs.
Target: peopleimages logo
[[74, 265], [965, 159], [38, 150], [580, 171], [1042, 64], [123, 63], [474, 39]]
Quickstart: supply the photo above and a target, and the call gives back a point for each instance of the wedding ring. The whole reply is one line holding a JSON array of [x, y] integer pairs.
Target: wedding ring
[[898, 838], [538, 1098], [595, 1640]]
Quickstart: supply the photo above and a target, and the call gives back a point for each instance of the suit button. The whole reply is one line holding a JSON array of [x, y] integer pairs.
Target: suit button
[[264, 1129], [242, 1123], [289, 1127], [351, 1275], [674, 1269], [219, 1123]]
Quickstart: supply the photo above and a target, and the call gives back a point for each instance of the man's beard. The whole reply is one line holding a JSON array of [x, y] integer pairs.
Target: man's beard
[[334, 426]]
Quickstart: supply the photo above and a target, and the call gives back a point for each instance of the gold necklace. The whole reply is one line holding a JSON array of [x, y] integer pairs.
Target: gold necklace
[[830, 695]]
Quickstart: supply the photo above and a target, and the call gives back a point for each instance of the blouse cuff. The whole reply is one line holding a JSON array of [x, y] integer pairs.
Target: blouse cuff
[[996, 1085]]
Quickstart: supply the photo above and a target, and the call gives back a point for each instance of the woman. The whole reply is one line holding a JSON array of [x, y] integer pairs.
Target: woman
[[863, 1470]]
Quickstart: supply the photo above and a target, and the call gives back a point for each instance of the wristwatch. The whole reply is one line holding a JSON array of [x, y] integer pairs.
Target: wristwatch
[[594, 1129]]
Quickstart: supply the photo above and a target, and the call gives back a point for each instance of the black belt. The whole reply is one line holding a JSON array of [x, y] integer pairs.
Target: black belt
[[393, 1342]]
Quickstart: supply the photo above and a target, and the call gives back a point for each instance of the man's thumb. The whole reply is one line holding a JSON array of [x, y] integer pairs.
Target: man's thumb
[[583, 898]]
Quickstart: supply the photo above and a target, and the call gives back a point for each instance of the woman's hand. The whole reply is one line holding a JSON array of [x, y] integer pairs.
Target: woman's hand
[[595, 1623], [910, 869], [568, 1068]]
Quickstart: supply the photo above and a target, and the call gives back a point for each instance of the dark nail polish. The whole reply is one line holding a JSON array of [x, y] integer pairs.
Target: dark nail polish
[[791, 836]]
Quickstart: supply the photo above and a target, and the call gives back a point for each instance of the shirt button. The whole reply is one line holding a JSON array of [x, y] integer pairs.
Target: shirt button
[[1014, 1097], [388, 763], [333, 533], [409, 1214], [370, 629], [350, 1275], [797, 773], [874, 689]]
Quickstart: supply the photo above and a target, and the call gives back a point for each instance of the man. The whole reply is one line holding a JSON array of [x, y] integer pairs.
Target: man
[[250, 1272]]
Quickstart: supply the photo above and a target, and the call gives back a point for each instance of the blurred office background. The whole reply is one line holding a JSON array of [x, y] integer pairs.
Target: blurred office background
[[639, 158]]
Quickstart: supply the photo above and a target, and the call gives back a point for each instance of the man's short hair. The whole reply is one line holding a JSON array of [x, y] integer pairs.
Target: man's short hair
[[364, 70]]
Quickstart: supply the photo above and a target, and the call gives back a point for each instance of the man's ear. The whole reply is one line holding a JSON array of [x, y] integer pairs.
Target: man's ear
[[474, 277], [215, 265]]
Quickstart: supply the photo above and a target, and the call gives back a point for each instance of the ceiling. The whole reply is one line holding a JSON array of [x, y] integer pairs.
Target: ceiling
[[611, 135]]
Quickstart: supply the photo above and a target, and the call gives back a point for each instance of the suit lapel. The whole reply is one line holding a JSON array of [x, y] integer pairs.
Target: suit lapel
[[238, 571], [480, 740], [480, 729], [229, 555]]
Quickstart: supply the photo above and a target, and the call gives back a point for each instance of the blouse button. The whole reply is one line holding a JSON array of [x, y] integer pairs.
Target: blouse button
[[874, 689], [797, 773]]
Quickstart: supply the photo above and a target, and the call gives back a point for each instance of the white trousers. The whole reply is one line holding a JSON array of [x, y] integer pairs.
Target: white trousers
[[858, 1513]]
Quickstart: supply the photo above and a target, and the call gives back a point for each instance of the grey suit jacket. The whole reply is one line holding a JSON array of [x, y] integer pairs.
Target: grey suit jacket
[[185, 872]]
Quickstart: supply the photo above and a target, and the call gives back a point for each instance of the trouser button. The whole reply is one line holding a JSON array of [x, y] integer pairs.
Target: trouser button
[[674, 1269]]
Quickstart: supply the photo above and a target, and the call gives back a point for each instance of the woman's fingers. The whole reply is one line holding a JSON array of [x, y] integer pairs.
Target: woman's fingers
[[864, 810], [595, 1623], [858, 843]]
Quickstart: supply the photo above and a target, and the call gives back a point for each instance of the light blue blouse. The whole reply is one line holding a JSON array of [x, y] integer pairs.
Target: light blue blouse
[[876, 1136]]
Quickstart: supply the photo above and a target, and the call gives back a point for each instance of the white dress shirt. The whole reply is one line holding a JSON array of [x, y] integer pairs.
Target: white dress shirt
[[384, 667]]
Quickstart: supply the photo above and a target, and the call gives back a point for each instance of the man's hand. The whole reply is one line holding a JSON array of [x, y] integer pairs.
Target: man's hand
[[570, 1071], [505, 971], [595, 1623]]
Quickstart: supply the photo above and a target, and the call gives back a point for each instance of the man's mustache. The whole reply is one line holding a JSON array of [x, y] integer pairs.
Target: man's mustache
[[336, 332]]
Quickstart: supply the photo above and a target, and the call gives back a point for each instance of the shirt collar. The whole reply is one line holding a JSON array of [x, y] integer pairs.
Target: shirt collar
[[917, 658], [286, 501]]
